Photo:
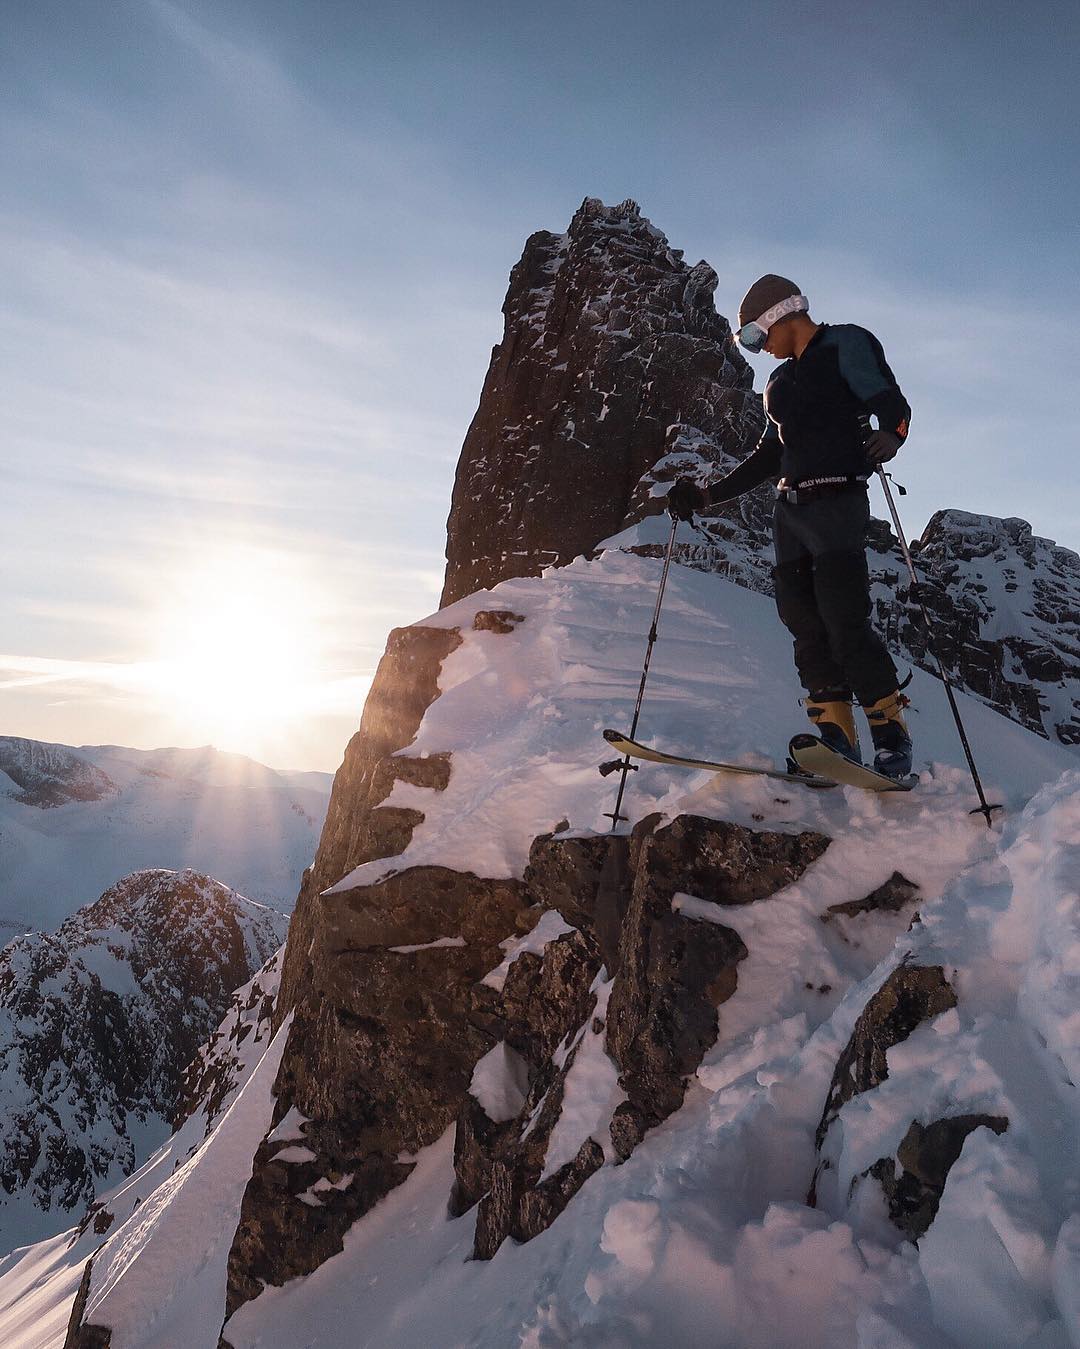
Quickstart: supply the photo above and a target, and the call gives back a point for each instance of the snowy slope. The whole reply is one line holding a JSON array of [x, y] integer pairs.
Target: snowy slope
[[121, 810], [522, 716], [704, 1235]]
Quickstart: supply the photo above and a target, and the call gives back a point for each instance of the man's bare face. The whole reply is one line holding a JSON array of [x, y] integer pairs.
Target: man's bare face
[[780, 340]]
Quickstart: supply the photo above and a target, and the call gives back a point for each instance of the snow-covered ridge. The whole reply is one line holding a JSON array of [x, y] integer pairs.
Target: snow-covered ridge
[[704, 1234], [98, 1021]]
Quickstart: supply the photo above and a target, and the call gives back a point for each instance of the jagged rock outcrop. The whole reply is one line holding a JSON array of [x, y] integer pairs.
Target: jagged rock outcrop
[[98, 1022], [612, 346], [914, 1183], [544, 1014], [379, 1055], [359, 828], [411, 1016], [674, 968], [911, 995], [647, 1020], [892, 896], [365, 1015], [51, 775]]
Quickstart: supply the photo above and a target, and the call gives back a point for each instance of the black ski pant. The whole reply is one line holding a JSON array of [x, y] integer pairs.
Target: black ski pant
[[823, 596]]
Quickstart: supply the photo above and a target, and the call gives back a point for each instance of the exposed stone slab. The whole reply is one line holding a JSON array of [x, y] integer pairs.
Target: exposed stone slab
[[926, 1156], [891, 897], [358, 827], [911, 995], [379, 1057]]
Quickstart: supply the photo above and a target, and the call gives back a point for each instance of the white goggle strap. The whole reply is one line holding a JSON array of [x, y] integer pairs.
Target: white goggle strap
[[794, 304]]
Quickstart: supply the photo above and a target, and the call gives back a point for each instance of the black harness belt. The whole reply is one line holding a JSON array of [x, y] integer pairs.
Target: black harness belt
[[805, 489]]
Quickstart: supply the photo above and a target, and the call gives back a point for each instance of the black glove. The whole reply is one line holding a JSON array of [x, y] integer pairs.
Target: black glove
[[881, 446], [685, 498]]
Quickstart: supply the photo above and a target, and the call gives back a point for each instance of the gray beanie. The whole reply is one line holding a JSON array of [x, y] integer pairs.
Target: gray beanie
[[763, 294]]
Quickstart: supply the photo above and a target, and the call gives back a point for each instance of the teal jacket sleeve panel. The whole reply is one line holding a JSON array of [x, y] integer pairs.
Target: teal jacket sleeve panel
[[866, 372]]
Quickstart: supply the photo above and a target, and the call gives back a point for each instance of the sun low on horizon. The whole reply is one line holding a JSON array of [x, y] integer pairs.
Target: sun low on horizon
[[238, 653]]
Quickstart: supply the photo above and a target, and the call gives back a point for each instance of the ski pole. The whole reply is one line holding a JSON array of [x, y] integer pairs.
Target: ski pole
[[626, 766], [916, 593]]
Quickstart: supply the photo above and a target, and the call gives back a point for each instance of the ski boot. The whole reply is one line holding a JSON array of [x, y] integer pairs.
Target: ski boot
[[892, 743], [834, 721]]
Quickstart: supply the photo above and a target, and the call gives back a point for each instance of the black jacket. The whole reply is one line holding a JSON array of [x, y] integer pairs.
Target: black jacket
[[813, 406]]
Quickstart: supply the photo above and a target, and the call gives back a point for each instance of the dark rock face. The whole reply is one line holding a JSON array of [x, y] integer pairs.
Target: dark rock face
[[610, 339], [358, 827], [566, 874], [926, 1157], [380, 1050], [723, 862], [496, 620], [547, 1002], [378, 1059], [891, 897], [911, 995], [99, 1020], [674, 970], [81, 1336], [51, 775]]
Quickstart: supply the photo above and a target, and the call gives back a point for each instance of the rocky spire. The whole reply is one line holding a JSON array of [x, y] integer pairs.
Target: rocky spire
[[611, 343]]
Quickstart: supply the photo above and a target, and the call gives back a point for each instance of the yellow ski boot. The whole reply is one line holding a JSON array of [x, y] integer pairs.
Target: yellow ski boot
[[889, 732], [834, 721]]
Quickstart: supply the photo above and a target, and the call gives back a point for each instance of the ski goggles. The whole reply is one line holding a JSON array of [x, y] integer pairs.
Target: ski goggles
[[753, 335]]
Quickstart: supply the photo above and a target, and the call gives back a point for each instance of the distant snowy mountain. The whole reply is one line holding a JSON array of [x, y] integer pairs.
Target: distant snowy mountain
[[98, 1022], [73, 821], [50, 775], [39, 1284]]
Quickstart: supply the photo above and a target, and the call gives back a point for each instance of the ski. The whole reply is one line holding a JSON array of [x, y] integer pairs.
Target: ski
[[634, 750], [816, 757]]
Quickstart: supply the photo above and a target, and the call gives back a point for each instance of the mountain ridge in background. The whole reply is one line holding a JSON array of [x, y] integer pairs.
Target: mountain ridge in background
[[74, 821]]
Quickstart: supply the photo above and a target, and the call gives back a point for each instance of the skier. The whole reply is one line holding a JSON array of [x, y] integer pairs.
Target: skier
[[819, 448]]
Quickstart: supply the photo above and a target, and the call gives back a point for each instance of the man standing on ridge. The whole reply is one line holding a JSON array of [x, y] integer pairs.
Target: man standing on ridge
[[820, 449]]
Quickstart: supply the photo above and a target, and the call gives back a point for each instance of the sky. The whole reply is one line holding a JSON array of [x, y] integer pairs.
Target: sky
[[252, 258]]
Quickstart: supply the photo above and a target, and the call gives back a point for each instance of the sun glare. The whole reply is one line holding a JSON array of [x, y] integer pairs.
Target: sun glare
[[237, 648]]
